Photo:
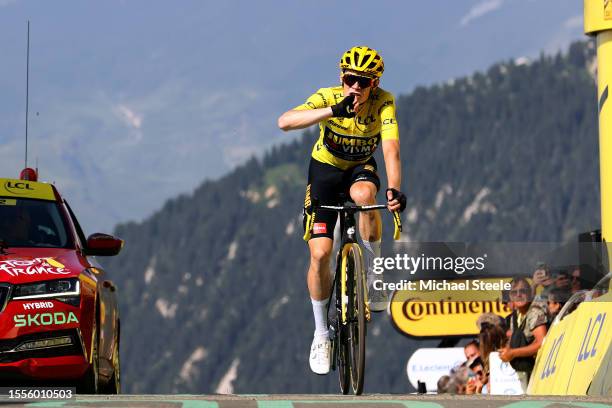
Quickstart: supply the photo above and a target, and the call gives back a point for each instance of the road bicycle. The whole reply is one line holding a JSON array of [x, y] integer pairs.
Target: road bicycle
[[348, 325]]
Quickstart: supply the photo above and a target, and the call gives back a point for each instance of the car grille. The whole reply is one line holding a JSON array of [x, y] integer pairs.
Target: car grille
[[5, 288], [7, 356]]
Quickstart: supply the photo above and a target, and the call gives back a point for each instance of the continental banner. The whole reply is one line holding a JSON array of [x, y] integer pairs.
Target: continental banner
[[452, 311]]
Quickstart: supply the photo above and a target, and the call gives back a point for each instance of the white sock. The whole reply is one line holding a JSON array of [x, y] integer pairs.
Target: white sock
[[372, 250], [319, 309]]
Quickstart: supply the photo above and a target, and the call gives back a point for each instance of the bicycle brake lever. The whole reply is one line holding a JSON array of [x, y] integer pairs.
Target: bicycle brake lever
[[397, 221]]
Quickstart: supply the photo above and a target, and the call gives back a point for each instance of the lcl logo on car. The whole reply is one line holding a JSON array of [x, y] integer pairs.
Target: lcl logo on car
[[17, 187]]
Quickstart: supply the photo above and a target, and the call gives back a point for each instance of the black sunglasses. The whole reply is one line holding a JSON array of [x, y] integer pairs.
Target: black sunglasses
[[362, 81]]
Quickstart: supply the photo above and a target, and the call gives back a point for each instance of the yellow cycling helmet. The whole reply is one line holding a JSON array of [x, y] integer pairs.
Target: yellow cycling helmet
[[364, 60]]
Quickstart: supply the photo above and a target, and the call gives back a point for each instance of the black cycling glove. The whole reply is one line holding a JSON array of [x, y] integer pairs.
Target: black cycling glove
[[399, 196], [344, 109]]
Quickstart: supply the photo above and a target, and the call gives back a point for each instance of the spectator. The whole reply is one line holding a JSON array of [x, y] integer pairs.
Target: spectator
[[528, 330], [576, 283], [490, 319], [562, 281], [478, 382], [459, 377], [556, 300], [471, 350], [444, 385], [509, 305], [542, 282], [492, 337]]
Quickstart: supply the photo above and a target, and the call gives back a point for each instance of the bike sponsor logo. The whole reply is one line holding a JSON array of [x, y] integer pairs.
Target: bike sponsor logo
[[38, 305], [36, 266], [320, 228], [44, 319], [18, 187]]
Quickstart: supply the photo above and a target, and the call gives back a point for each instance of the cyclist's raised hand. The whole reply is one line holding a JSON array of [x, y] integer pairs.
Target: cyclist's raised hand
[[396, 200], [345, 108], [357, 106]]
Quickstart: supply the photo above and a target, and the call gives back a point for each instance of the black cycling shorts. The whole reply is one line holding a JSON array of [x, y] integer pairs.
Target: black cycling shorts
[[331, 185]]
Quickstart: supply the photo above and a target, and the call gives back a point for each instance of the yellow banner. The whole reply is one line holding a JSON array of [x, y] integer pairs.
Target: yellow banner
[[597, 16], [574, 350], [450, 312], [26, 189], [550, 370]]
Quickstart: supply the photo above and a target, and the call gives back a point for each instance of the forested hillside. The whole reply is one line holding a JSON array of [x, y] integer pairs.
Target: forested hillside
[[212, 286]]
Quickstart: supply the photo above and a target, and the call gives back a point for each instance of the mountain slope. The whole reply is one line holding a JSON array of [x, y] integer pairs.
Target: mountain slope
[[161, 84]]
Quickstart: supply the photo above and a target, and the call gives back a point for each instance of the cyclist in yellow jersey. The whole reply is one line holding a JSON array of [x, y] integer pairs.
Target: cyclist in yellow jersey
[[354, 119]]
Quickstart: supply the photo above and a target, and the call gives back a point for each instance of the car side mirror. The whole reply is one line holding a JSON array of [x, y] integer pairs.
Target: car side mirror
[[103, 245]]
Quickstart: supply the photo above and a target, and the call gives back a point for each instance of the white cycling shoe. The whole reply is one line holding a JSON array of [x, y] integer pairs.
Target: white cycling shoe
[[379, 299], [320, 352]]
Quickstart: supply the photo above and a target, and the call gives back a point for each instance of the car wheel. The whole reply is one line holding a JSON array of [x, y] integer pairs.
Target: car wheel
[[89, 383], [114, 384]]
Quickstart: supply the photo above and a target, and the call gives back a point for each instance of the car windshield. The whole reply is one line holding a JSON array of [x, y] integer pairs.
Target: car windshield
[[32, 223]]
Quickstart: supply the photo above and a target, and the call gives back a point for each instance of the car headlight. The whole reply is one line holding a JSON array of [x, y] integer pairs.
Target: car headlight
[[63, 288]]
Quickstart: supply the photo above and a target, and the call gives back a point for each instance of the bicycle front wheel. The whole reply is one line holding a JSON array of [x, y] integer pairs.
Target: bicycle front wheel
[[344, 364], [356, 314], [341, 352]]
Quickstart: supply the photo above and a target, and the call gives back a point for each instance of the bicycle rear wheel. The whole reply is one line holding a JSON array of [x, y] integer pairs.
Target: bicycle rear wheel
[[356, 315]]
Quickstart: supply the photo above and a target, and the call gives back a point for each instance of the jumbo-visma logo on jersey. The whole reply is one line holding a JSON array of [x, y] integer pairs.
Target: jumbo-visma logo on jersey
[[353, 148]]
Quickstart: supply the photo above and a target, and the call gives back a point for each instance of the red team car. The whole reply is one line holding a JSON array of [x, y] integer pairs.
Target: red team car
[[58, 309]]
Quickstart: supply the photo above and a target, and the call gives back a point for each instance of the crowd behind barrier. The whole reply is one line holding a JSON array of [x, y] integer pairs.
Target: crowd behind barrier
[[534, 303]]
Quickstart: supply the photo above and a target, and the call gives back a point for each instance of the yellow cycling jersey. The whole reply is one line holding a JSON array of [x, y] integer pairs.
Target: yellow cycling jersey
[[347, 142]]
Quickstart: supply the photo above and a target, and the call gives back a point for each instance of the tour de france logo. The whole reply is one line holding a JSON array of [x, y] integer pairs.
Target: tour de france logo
[[36, 266]]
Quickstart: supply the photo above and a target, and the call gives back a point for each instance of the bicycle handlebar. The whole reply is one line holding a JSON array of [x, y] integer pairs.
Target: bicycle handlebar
[[397, 220], [354, 207]]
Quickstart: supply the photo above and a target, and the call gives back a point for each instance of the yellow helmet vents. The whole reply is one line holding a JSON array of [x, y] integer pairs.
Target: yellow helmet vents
[[364, 60]]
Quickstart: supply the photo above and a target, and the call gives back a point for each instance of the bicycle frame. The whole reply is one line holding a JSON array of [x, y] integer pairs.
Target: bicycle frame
[[348, 236], [348, 296]]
